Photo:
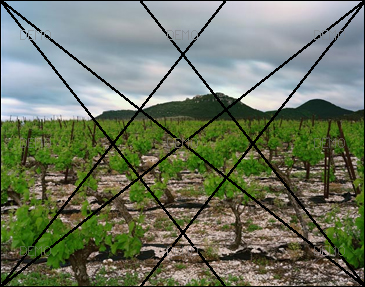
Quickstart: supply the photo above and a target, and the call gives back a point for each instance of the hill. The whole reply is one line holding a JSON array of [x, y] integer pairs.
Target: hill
[[323, 109], [199, 107], [319, 108], [355, 116], [205, 107]]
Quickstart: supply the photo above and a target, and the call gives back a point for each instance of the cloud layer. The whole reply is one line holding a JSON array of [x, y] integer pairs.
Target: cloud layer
[[122, 43]]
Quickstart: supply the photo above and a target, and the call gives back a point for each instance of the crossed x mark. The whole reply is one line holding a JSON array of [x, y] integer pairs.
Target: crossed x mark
[[225, 109]]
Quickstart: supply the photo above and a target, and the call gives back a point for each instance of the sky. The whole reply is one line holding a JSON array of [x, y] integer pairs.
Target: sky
[[122, 43]]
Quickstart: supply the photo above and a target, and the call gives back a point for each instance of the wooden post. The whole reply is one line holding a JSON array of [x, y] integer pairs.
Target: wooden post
[[71, 138], [348, 161], [94, 141], [21, 159], [327, 162], [19, 129], [26, 147], [72, 131]]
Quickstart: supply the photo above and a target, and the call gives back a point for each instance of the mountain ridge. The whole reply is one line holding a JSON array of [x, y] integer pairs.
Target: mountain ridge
[[207, 107]]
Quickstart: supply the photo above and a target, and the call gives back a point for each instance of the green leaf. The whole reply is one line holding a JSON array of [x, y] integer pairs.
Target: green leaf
[[114, 248], [131, 226]]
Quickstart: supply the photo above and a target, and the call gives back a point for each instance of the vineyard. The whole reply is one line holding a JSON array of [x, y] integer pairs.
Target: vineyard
[[287, 211]]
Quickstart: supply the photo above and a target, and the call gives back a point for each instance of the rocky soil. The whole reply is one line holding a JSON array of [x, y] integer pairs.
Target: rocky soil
[[271, 254]]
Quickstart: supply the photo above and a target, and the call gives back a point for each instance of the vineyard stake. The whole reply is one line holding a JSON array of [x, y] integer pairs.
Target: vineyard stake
[[26, 147], [349, 165], [19, 128], [21, 158], [327, 162]]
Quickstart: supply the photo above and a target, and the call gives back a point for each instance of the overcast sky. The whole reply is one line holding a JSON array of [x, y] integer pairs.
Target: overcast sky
[[122, 43]]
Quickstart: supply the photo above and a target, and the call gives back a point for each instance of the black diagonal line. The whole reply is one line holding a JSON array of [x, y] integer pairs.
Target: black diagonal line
[[113, 143], [258, 150], [277, 69], [87, 218], [206, 203], [238, 125], [93, 120], [139, 109], [201, 31], [181, 233], [226, 177], [253, 144], [101, 79], [183, 53], [173, 244], [159, 203]]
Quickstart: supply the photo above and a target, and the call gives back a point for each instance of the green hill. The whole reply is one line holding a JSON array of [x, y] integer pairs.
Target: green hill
[[205, 107], [355, 116], [289, 113], [199, 107], [319, 108], [323, 109]]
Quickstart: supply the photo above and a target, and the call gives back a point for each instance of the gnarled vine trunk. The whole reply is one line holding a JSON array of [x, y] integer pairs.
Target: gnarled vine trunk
[[78, 262], [14, 196], [286, 177], [234, 206], [118, 202]]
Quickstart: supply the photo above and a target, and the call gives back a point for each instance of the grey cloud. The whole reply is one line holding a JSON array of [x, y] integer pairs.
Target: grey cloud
[[123, 44]]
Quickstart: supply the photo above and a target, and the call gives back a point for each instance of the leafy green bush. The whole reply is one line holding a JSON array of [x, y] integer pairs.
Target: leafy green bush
[[349, 234]]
